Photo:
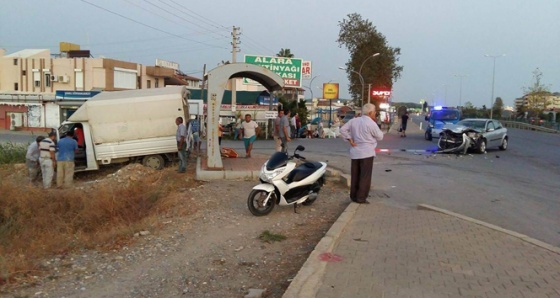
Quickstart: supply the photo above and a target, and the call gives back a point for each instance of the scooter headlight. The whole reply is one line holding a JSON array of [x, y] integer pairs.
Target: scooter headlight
[[267, 176]]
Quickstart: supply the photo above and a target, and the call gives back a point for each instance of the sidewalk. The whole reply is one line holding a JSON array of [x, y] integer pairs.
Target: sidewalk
[[378, 250]]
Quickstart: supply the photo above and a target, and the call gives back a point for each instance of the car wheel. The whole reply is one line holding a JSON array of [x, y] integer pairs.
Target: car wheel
[[428, 136], [482, 146], [504, 144]]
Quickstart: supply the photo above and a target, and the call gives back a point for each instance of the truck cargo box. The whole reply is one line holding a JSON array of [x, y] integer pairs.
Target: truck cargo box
[[134, 114]]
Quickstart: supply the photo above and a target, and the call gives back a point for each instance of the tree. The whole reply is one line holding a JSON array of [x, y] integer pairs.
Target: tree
[[498, 107], [294, 107], [537, 95], [362, 40], [286, 53]]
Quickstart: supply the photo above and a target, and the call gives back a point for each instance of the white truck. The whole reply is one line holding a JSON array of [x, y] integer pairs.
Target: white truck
[[135, 125]]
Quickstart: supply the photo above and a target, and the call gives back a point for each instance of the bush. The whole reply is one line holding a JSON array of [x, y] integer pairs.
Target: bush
[[12, 153], [37, 223]]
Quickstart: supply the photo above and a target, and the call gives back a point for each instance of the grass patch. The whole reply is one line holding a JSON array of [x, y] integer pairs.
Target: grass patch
[[36, 223], [12, 153], [269, 237]]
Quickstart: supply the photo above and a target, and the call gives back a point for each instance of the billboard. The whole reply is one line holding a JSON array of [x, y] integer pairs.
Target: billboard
[[306, 70], [288, 69], [330, 91], [167, 64]]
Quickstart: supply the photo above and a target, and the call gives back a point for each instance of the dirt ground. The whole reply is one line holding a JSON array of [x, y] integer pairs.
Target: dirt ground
[[211, 250]]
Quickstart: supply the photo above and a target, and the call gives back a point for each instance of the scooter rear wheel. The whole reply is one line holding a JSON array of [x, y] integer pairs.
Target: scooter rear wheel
[[255, 202]]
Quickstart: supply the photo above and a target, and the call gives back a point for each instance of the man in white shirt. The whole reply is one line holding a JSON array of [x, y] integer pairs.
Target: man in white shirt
[[32, 160], [249, 129], [181, 137], [47, 159], [363, 135]]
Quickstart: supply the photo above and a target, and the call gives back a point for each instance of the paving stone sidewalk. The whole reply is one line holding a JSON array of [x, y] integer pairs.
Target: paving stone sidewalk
[[390, 252]]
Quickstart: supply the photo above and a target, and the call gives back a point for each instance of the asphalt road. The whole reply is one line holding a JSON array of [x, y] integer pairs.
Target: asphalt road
[[517, 189]]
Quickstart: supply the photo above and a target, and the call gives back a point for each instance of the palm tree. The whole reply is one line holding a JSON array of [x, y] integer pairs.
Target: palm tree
[[285, 53]]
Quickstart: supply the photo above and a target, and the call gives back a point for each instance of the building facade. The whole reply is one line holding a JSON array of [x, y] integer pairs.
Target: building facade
[[550, 101], [31, 80]]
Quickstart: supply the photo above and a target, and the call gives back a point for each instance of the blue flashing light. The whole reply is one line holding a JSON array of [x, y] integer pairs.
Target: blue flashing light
[[438, 108]]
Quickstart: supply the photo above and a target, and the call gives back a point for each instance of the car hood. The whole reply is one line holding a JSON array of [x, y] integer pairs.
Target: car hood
[[457, 128]]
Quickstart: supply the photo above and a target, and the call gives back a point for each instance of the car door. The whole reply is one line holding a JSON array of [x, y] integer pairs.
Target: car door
[[490, 134], [500, 132]]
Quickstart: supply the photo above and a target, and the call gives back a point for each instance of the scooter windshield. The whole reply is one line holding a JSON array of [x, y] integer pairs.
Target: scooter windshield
[[277, 160]]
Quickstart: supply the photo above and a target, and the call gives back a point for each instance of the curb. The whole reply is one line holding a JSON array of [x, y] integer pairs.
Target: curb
[[307, 281], [523, 237], [202, 175], [309, 277]]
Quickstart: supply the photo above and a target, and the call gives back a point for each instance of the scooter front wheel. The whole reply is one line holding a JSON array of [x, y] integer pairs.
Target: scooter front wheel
[[256, 205]]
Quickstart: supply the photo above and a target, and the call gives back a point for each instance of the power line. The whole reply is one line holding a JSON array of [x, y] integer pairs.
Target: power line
[[177, 16], [257, 44], [146, 25], [200, 17]]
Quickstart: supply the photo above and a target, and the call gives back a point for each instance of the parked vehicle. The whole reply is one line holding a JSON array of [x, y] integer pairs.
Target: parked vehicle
[[439, 117], [473, 134], [134, 125], [282, 183]]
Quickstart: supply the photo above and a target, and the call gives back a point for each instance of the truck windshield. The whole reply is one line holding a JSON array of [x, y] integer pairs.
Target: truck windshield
[[63, 129], [445, 115]]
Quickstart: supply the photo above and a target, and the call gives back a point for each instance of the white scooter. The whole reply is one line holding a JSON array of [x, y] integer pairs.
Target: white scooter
[[285, 184]]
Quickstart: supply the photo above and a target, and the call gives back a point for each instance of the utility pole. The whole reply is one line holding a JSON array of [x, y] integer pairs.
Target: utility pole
[[368, 93], [493, 77], [234, 50], [460, 88]]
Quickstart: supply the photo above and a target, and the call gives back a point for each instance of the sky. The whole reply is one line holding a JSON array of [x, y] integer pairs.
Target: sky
[[443, 42]]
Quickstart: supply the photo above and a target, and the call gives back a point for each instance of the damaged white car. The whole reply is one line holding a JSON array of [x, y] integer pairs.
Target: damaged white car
[[472, 134]]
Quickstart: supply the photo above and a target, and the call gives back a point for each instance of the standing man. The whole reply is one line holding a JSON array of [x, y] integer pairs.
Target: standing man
[[293, 127], [32, 160], [195, 129], [404, 121], [47, 159], [181, 137], [67, 146], [284, 131], [249, 130], [276, 134], [363, 134], [238, 127]]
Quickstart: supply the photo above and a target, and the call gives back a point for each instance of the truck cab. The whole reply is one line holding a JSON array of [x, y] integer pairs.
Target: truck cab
[[437, 118]]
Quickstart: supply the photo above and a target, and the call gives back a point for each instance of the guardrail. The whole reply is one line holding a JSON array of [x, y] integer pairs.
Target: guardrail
[[527, 126]]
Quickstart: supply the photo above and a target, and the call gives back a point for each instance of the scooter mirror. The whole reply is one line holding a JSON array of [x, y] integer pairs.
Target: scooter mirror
[[300, 148]]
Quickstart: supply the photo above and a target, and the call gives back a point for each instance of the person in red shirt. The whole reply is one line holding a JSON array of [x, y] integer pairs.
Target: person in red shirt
[[79, 135]]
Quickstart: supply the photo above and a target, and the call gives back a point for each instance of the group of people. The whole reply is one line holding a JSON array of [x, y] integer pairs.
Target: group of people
[[44, 156]]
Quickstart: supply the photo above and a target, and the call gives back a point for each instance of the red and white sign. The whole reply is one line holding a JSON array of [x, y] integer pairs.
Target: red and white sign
[[306, 70], [380, 93]]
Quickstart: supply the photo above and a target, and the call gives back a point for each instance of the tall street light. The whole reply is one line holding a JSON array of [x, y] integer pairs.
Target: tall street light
[[359, 73], [493, 76], [460, 87], [310, 83]]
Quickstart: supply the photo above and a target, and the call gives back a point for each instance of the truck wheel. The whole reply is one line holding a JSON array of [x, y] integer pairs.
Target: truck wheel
[[155, 162]]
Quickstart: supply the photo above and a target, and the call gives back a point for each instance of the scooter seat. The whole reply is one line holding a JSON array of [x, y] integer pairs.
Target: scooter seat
[[303, 171]]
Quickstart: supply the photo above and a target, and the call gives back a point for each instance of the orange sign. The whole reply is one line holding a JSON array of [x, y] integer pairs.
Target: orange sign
[[330, 91]]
